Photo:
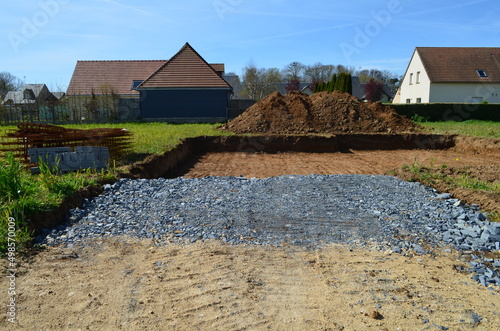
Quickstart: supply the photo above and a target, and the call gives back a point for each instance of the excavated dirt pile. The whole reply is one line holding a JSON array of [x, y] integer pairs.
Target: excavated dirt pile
[[336, 112]]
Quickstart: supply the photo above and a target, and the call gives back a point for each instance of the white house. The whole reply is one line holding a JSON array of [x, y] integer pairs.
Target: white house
[[451, 75]]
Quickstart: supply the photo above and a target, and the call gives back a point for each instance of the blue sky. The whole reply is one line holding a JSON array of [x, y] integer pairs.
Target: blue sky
[[40, 41]]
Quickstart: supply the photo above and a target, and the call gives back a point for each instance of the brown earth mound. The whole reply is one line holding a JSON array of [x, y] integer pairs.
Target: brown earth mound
[[336, 112]]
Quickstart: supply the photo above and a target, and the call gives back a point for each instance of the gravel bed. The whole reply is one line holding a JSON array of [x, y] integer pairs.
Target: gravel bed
[[310, 211]]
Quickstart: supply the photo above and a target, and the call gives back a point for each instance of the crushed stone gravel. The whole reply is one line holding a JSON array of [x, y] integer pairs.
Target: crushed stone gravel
[[310, 211]]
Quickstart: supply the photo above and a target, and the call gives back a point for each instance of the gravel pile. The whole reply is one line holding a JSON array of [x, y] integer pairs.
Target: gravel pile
[[310, 211]]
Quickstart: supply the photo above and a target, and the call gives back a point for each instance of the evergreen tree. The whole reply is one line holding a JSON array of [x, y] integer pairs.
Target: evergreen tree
[[349, 84], [333, 81], [342, 83], [339, 85]]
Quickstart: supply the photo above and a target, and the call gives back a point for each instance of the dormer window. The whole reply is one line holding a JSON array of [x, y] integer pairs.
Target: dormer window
[[482, 73], [136, 83], [27, 95]]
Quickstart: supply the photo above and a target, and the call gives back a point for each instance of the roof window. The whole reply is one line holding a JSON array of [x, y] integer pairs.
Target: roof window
[[135, 84], [482, 73]]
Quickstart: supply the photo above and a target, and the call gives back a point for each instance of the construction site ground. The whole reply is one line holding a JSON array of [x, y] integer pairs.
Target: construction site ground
[[262, 165], [121, 284]]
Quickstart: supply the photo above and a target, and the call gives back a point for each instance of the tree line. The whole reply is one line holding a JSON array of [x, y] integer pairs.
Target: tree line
[[256, 82]]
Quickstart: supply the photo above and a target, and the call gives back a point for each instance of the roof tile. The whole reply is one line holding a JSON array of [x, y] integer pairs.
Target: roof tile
[[94, 76], [460, 64], [186, 69]]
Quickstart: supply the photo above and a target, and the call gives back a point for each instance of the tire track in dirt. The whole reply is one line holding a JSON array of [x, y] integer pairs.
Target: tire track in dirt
[[123, 284], [301, 295], [204, 291]]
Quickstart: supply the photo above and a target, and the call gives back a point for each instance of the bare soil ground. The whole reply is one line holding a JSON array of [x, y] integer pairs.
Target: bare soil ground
[[262, 165], [121, 284], [129, 285]]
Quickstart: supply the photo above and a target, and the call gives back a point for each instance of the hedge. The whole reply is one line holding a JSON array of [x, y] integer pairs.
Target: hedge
[[458, 112]]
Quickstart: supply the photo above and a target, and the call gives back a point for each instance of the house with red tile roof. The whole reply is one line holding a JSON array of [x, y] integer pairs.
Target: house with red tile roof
[[183, 89], [451, 75]]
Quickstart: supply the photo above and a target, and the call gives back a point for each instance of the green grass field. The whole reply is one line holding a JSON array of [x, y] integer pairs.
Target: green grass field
[[152, 137], [468, 128]]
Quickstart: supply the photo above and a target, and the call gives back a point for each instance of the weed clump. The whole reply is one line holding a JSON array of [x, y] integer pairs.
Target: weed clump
[[23, 194]]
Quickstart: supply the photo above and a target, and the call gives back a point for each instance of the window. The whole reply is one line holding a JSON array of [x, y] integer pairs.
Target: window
[[411, 78], [136, 83], [482, 73], [418, 77], [27, 95], [408, 100], [419, 100], [477, 99]]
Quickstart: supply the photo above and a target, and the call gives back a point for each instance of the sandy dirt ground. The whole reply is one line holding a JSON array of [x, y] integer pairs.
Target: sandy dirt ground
[[120, 284], [128, 285], [262, 165]]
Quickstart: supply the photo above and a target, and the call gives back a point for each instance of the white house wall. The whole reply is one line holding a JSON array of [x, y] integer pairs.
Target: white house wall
[[416, 83], [464, 93]]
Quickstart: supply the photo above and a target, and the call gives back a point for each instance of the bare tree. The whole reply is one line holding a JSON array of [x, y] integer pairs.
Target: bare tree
[[318, 73], [294, 71], [251, 81], [343, 69], [259, 82], [272, 79], [9, 82]]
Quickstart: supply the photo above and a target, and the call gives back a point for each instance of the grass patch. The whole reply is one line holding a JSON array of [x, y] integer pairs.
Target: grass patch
[[453, 178], [474, 128], [420, 173], [155, 138], [494, 217], [22, 193], [151, 138]]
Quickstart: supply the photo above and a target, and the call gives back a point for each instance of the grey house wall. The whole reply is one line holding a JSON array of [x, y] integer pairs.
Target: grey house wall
[[185, 105]]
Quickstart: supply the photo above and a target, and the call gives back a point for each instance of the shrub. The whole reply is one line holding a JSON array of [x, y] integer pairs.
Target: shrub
[[458, 112]]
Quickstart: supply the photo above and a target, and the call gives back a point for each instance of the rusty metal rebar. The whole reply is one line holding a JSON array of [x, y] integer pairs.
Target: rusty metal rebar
[[33, 135]]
